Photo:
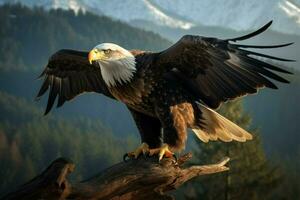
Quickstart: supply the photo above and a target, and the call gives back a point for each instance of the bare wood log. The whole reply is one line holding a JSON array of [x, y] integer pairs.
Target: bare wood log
[[52, 183], [143, 178]]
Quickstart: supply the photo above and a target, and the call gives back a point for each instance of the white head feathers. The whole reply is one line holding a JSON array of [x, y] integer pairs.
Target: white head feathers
[[118, 66]]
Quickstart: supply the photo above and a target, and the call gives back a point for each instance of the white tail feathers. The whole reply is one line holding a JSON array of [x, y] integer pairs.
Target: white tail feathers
[[215, 127]]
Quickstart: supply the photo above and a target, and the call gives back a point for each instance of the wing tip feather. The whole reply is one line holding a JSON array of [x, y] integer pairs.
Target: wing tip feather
[[252, 34]]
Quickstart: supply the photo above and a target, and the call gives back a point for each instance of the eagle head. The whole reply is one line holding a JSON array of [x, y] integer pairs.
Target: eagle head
[[117, 64]]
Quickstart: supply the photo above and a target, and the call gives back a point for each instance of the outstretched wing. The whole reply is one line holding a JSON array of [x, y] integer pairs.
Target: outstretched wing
[[68, 74], [216, 70]]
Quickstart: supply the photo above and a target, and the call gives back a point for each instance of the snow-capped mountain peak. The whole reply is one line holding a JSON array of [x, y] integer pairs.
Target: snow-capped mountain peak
[[126, 10], [291, 9], [165, 19], [184, 14], [75, 5], [129, 10], [68, 4], [238, 14]]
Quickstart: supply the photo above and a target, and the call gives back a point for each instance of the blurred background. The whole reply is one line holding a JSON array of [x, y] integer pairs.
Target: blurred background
[[95, 132]]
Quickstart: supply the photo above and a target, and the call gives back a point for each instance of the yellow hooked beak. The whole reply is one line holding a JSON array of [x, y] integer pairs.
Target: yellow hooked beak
[[95, 55]]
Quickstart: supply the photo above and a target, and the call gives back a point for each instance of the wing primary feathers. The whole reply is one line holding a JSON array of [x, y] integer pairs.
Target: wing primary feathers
[[52, 95], [243, 78], [42, 74], [261, 46], [68, 74], [61, 98], [250, 35], [216, 70], [263, 64], [264, 55], [43, 89], [249, 63], [61, 101]]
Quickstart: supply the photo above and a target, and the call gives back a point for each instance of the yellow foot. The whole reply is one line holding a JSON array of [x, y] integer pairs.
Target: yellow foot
[[144, 148], [162, 151]]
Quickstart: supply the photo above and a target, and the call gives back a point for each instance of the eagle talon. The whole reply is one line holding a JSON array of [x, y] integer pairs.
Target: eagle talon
[[125, 157], [146, 154], [175, 157], [162, 151], [143, 149]]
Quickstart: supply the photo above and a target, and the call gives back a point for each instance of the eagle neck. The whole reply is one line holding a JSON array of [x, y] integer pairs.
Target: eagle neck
[[118, 72]]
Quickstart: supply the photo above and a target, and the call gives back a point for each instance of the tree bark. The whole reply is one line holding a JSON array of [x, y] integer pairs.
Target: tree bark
[[138, 179]]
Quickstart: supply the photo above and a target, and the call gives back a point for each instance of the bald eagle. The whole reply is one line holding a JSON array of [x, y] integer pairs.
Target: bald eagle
[[167, 92]]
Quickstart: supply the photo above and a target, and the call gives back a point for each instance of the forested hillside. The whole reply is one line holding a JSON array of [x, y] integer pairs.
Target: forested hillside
[[29, 37], [29, 141]]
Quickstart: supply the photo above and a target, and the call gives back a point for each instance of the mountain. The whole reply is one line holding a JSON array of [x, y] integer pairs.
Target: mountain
[[31, 36], [174, 18], [185, 14], [237, 14], [121, 10]]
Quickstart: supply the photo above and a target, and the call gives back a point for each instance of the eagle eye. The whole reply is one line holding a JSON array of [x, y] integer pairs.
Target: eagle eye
[[107, 51]]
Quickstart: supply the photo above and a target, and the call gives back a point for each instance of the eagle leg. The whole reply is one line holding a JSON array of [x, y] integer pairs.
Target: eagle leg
[[162, 151], [143, 148]]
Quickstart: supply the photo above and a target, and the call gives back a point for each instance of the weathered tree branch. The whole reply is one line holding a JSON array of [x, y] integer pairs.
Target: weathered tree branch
[[143, 178]]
